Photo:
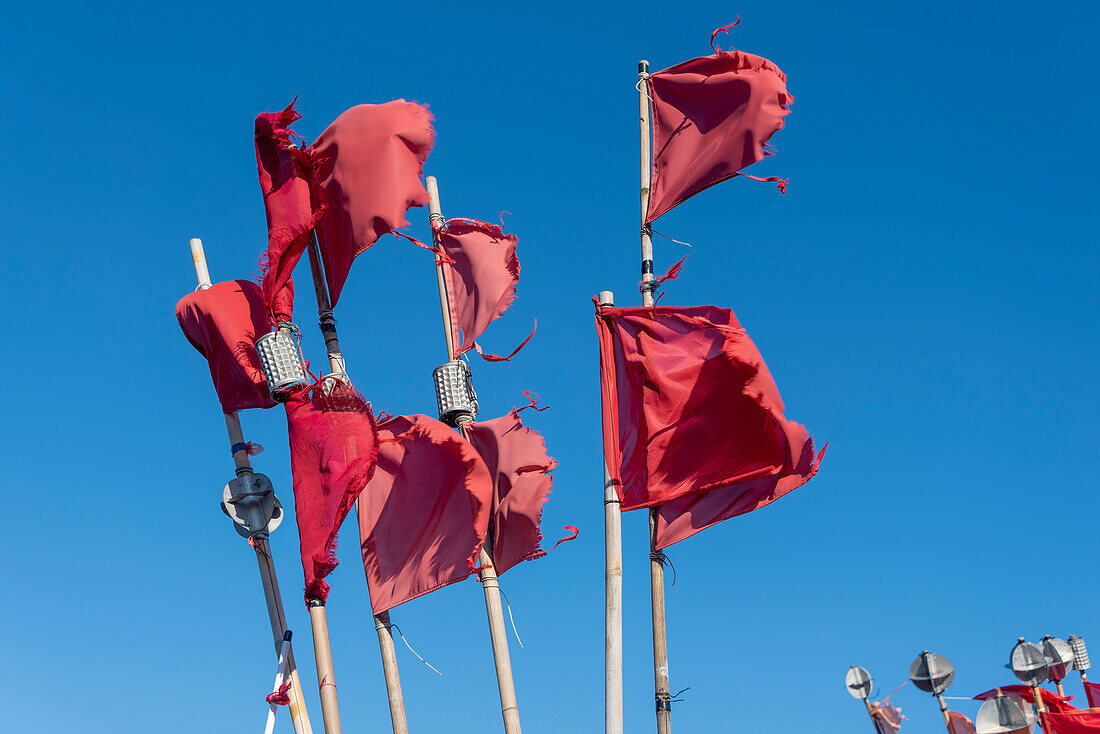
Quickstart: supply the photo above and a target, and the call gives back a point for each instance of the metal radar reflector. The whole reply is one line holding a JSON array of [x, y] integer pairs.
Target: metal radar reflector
[[1028, 663], [1059, 657], [858, 681], [1007, 712], [932, 673], [1080, 653]]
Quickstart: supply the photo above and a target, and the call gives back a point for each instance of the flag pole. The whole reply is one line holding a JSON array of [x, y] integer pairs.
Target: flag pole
[[259, 541], [317, 609], [871, 713], [613, 590], [494, 609], [662, 699]]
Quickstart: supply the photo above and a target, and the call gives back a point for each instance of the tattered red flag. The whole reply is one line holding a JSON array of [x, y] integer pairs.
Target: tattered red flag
[[481, 273], [520, 468], [355, 182], [368, 164], [1078, 721], [1051, 700], [424, 515], [1092, 693], [333, 452], [689, 406], [291, 200], [887, 716], [712, 117], [222, 322]]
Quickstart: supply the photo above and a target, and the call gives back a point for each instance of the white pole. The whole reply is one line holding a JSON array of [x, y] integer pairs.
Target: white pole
[[494, 609], [613, 592], [280, 676], [259, 542]]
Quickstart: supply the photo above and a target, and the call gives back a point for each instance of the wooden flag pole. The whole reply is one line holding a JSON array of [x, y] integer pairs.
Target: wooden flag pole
[[613, 591], [259, 542], [871, 713], [661, 695], [494, 609], [317, 609]]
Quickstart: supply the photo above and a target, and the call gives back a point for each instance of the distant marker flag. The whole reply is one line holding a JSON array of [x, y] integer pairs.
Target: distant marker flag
[[222, 322], [690, 410], [887, 717], [960, 724], [712, 117]]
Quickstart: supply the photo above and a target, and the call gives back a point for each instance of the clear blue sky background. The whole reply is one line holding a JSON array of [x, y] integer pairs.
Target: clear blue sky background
[[925, 297]]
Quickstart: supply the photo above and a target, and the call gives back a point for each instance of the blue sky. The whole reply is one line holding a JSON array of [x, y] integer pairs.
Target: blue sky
[[925, 297]]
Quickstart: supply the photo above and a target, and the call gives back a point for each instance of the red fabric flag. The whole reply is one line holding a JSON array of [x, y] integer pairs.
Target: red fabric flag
[[487, 270], [290, 197], [959, 723], [887, 716], [520, 468], [712, 116], [222, 322], [333, 452], [1078, 721], [1092, 693], [689, 406], [424, 515], [368, 164], [1051, 700]]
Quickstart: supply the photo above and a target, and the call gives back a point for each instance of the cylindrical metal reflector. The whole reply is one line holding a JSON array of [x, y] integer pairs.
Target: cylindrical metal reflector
[[280, 361], [454, 392], [1080, 653]]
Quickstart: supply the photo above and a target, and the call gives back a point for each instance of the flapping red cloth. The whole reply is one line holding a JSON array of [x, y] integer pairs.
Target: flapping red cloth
[[712, 116], [333, 452], [1092, 693], [887, 716], [1078, 721], [481, 280], [368, 165], [222, 322], [424, 516], [520, 468], [290, 197], [959, 723], [1051, 700], [690, 407]]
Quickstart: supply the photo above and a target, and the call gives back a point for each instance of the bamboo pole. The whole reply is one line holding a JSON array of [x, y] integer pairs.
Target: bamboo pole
[[259, 543], [871, 713], [613, 591], [662, 699], [381, 621], [494, 609]]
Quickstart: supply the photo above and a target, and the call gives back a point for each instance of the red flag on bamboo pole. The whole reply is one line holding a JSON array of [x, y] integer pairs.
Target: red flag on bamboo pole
[[1051, 700], [1092, 693], [887, 716], [333, 452], [1078, 721], [689, 407], [355, 182], [424, 515], [520, 470], [712, 117], [222, 323], [960, 723]]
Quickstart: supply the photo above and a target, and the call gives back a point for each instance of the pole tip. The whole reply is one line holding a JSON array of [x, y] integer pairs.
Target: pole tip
[[1020, 639], [607, 298], [643, 65]]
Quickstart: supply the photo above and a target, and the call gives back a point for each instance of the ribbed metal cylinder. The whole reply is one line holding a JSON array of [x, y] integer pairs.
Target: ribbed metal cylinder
[[280, 361], [454, 392], [1080, 653]]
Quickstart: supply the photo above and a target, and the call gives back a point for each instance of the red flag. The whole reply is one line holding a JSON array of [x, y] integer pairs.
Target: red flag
[[689, 406], [333, 451], [1092, 693], [887, 716], [222, 322], [959, 723], [1078, 721], [424, 515], [520, 467], [487, 271], [290, 197], [712, 116], [368, 164], [1051, 700]]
